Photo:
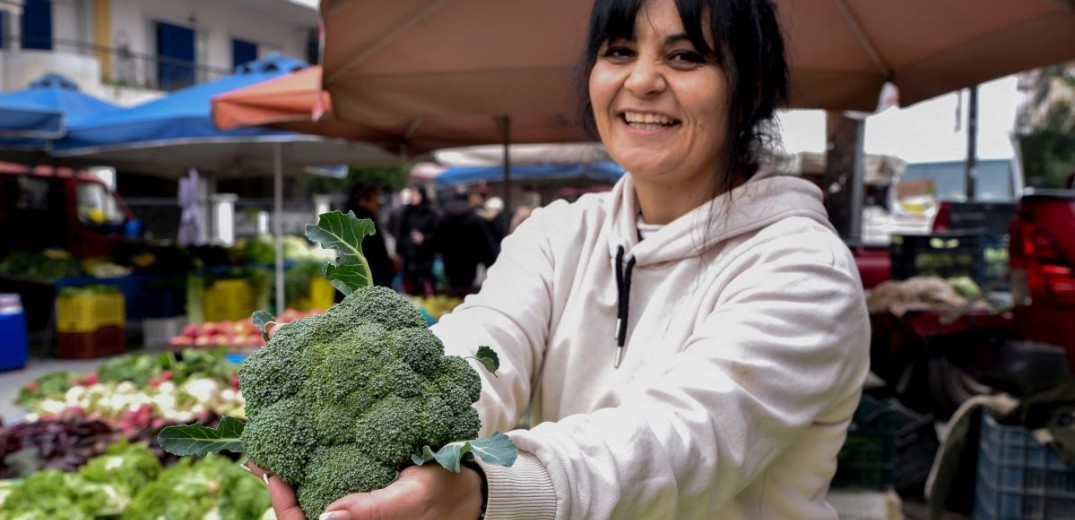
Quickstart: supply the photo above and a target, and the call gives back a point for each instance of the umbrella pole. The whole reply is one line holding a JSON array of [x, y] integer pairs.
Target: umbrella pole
[[972, 144], [507, 167], [278, 223]]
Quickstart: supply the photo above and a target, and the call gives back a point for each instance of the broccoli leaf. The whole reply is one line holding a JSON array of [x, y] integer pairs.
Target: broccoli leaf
[[261, 319], [488, 358], [344, 233], [197, 439], [497, 449]]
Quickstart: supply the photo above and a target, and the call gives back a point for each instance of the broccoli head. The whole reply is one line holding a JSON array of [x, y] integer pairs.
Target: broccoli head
[[338, 402]]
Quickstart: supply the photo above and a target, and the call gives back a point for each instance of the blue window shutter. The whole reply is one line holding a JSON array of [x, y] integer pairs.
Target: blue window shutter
[[242, 51], [37, 24], [175, 50]]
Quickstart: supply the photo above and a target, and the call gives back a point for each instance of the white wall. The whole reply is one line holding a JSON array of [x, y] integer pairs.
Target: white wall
[[132, 20]]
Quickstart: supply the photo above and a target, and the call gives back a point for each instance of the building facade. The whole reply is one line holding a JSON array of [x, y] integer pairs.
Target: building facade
[[129, 50]]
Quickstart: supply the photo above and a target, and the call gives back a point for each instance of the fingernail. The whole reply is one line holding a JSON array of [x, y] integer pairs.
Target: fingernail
[[265, 477], [334, 515]]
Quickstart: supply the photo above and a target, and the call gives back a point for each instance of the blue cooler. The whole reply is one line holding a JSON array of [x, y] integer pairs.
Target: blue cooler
[[13, 341]]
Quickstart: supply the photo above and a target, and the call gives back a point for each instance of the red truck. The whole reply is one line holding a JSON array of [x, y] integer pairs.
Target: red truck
[[43, 207], [936, 360]]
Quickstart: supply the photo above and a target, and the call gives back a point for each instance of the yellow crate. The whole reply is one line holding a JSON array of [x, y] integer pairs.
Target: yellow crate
[[87, 312], [321, 295], [229, 300]]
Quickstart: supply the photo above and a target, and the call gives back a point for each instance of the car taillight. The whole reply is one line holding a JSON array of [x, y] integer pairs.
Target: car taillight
[[943, 220], [1038, 271]]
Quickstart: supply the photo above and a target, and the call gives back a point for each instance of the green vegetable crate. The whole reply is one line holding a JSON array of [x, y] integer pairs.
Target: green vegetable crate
[[979, 256]]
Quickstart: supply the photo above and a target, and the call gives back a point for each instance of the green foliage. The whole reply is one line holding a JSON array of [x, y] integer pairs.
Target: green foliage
[[1048, 150], [213, 487], [197, 439], [389, 177], [344, 233]]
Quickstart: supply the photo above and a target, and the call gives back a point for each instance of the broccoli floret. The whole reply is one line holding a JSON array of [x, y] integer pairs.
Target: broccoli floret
[[338, 402], [281, 438], [336, 471]]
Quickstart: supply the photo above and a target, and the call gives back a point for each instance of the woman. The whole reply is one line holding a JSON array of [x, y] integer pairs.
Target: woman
[[690, 345]]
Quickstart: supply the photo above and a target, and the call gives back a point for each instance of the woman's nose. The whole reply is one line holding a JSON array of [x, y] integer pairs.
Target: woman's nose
[[645, 79]]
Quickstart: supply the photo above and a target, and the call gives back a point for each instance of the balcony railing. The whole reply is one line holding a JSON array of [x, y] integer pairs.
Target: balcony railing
[[121, 66]]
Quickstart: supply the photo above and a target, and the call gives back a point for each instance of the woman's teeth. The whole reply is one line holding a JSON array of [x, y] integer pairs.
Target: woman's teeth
[[647, 121]]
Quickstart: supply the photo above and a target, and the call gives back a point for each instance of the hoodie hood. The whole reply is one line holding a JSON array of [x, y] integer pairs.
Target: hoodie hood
[[765, 198]]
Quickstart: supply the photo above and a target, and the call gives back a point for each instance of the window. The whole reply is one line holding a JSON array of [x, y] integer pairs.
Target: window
[[242, 51], [97, 206], [37, 24], [175, 56]]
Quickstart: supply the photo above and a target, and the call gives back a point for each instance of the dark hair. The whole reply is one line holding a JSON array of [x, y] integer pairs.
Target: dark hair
[[750, 51], [360, 190]]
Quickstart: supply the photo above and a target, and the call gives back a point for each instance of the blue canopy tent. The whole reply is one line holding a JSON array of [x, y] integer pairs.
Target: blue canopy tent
[[31, 118], [168, 136], [592, 173]]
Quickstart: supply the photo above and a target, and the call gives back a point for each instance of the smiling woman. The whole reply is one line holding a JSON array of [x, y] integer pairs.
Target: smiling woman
[[691, 344]]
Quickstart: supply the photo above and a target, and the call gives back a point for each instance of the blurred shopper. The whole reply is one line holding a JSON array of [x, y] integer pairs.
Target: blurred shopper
[[464, 241], [414, 246], [531, 201], [365, 201]]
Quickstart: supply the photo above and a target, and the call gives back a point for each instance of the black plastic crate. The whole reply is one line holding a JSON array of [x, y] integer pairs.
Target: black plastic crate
[[887, 446], [867, 460], [1019, 478], [979, 256]]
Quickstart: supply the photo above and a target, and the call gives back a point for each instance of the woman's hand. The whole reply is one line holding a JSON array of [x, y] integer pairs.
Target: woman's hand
[[420, 492]]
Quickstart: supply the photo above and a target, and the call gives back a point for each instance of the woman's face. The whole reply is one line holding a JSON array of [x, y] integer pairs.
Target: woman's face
[[659, 104]]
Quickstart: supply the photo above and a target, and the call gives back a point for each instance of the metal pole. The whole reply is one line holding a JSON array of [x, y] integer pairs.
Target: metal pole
[[278, 222], [507, 167], [972, 144]]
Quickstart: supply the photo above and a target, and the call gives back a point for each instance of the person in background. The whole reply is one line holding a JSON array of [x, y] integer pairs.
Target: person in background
[[416, 226], [690, 345], [464, 242], [531, 201], [364, 200]]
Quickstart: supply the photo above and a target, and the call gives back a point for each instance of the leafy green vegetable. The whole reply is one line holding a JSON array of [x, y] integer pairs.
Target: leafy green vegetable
[[497, 449], [197, 439], [344, 233], [261, 319], [488, 358]]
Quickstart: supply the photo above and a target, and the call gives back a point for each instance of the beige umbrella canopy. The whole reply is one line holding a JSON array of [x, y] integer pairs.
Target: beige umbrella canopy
[[406, 61]]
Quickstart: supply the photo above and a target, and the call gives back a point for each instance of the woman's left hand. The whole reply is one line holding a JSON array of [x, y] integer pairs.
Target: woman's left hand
[[420, 492]]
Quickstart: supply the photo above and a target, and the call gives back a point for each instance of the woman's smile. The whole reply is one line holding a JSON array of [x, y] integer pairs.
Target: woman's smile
[[660, 105]]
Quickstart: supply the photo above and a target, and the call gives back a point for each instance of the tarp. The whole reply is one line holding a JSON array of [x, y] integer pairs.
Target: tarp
[[603, 172], [31, 118]]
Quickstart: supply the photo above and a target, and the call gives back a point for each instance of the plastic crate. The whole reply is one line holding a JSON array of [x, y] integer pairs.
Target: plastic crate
[[229, 300], [105, 341], [89, 311], [867, 460], [916, 449], [979, 256], [1019, 478], [321, 295]]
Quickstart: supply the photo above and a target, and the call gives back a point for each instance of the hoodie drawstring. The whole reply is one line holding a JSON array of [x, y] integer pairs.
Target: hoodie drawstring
[[623, 295]]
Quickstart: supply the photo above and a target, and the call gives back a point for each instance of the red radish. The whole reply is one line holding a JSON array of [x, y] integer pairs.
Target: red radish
[[190, 331]]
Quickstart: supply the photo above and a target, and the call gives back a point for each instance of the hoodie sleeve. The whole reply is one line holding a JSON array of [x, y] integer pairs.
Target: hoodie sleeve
[[785, 348]]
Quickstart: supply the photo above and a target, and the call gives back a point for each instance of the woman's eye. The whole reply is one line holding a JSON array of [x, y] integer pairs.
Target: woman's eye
[[687, 58], [617, 52]]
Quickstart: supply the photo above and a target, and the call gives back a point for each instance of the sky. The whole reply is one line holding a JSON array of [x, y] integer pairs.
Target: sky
[[930, 131]]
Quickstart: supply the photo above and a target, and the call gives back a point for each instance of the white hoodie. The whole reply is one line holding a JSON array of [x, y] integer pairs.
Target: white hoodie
[[747, 342]]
